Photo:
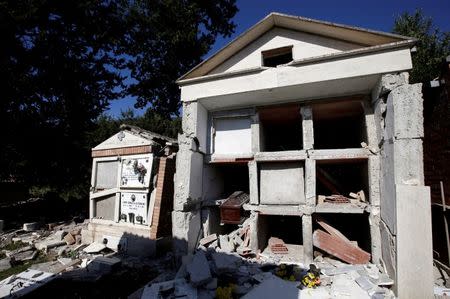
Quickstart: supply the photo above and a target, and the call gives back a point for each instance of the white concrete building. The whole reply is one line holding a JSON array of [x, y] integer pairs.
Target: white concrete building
[[294, 108]]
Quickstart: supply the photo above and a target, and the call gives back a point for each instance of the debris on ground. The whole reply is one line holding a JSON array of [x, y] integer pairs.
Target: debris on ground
[[277, 245]]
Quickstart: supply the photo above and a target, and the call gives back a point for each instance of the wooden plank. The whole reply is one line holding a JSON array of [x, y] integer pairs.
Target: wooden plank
[[340, 248]]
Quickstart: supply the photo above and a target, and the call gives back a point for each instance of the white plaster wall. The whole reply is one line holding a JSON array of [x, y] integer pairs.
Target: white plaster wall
[[281, 183], [304, 46], [233, 135], [348, 67]]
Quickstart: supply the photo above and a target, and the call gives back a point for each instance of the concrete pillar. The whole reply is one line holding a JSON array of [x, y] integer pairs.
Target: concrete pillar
[[253, 182], [307, 127], [307, 232], [374, 180], [186, 217], [310, 182], [375, 235], [256, 146]]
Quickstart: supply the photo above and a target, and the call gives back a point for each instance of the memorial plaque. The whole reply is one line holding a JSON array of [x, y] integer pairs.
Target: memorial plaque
[[133, 207], [136, 171]]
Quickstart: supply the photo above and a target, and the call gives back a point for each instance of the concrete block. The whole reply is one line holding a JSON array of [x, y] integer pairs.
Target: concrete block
[[59, 235], [104, 264], [208, 239], [94, 248], [32, 226], [188, 178], [226, 245], [389, 82], [5, 264], [198, 269], [226, 262], [414, 239], [404, 115], [401, 163], [185, 230], [189, 121], [282, 183]]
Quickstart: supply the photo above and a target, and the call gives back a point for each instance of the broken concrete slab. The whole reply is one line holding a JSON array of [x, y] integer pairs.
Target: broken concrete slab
[[32, 226], [274, 287], [225, 244], [5, 264], [24, 256], [226, 262], [94, 248], [104, 264], [179, 288], [23, 283], [198, 269], [208, 239]]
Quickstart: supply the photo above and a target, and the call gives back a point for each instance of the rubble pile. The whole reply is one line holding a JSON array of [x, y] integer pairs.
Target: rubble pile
[[213, 274], [59, 249]]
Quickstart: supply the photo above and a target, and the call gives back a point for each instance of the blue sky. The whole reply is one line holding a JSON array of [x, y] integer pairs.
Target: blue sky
[[377, 15]]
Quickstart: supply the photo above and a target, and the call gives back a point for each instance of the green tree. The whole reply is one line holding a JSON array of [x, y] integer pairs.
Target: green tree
[[432, 45], [62, 62], [168, 38]]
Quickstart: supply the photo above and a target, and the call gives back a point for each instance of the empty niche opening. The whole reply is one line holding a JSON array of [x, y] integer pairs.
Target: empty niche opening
[[354, 227], [286, 228], [219, 182], [342, 177], [340, 124], [278, 56], [280, 128]]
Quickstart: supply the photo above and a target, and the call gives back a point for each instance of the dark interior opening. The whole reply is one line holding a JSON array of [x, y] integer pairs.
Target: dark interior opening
[[278, 56], [354, 227], [287, 228], [340, 124], [235, 178], [280, 128], [341, 177]]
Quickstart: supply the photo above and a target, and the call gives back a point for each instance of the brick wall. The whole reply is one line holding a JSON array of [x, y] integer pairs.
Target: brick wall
[[162, 221]]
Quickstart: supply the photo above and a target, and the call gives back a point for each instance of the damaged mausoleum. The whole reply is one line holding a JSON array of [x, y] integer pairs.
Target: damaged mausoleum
[[131, 191], [302, 138]]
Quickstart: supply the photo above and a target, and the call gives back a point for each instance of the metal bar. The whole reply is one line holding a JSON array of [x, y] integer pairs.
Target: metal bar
[[445, 220]]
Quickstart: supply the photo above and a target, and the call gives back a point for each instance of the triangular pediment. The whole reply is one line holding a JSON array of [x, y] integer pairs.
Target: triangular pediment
[[304, 45], [309, 38], [122, 139]]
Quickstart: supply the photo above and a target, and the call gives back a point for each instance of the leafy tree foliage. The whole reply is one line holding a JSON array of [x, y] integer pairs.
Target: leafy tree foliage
[[168, 39], [62, 62], [432, 46]]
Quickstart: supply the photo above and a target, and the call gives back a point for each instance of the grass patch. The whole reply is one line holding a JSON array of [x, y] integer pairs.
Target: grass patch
[[14, 246], [41, 258]]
